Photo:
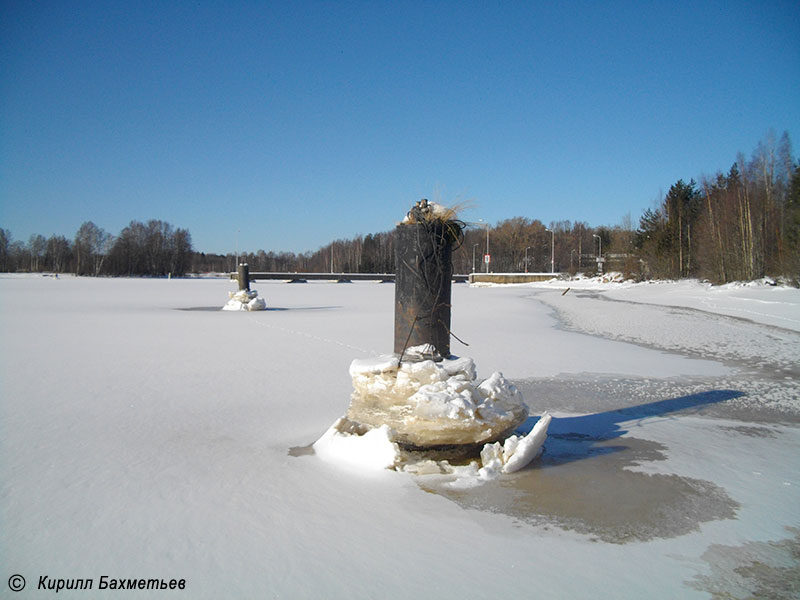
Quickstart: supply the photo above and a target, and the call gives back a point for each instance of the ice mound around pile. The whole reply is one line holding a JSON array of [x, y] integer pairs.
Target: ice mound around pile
[[433, 403], [244, 300], [400, 410]]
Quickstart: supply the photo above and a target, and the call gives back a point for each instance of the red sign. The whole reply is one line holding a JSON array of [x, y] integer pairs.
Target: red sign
[[487, 258]]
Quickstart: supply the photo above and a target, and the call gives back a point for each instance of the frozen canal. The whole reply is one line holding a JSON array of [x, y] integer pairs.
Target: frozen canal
[[144, 433]]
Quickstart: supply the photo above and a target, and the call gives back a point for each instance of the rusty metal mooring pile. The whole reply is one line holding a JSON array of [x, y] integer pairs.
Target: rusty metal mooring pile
[[245, 298], [423, 279]]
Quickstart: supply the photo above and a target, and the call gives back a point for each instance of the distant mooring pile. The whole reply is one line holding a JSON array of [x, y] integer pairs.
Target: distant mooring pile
[[244, 298], [420, 408]]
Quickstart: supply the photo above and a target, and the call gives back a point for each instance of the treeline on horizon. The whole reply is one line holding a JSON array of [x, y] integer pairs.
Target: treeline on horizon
[[154, 249], [742, 224]]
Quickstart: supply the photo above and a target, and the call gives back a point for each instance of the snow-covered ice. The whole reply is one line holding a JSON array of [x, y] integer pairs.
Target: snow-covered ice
[[135, 441]]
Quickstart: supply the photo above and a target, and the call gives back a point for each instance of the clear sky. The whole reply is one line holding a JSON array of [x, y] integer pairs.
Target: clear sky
[[285, 125]]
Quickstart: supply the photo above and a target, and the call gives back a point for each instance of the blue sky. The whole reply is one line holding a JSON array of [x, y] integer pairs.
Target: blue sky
[[284, 125]]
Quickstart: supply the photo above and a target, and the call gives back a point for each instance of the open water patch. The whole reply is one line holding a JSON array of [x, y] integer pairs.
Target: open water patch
[[298, 451], [752, 570], [584, 482]]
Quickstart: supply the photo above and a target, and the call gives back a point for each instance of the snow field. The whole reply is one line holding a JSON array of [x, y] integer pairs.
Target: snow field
[[146, 433]]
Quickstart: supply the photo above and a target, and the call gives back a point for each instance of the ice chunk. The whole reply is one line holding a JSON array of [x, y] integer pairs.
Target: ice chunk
[[373, 365], [257, 304], [427, 467], [491, 461], [467, 477], [517, 453], [455, 365], [348, 443], [514, 454]]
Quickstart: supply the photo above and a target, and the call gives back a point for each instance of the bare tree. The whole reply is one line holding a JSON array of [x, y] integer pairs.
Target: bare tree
[[5, 250], [92, 244], [57, 253], [36, 247]]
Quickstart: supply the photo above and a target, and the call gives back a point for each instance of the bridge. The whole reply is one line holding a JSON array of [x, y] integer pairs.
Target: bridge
[[389, 277], [339, 277]]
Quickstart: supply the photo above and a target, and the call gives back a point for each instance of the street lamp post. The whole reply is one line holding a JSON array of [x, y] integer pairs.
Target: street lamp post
[[552, 250], [487, 248], [599, 253], [482, 223], [526, 258], [485, 224], [473, 256]]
